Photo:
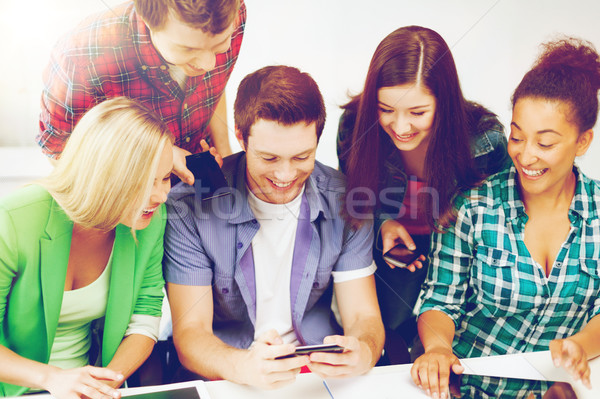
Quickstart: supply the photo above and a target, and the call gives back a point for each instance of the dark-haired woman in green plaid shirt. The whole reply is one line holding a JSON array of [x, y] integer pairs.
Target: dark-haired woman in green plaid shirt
[[519, 271]]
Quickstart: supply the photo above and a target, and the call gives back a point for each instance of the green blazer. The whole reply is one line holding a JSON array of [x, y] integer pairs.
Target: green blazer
[[35, 240]]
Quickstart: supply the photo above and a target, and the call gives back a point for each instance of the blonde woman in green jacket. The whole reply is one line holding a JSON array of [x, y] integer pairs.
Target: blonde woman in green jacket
[[85, 245]]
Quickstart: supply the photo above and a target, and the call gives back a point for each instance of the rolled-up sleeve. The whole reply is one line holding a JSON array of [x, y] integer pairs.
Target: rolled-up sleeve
[[185, 261], [150, 297], [357, 248]]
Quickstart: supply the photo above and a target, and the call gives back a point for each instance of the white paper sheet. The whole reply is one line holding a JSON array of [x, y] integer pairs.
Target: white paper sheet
[[530, 366], [380, 386]]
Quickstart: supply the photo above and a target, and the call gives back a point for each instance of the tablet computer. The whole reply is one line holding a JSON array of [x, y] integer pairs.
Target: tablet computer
[[469, 386]]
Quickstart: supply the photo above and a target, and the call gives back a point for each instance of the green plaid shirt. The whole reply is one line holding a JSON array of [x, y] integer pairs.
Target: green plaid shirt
[[483, 277]]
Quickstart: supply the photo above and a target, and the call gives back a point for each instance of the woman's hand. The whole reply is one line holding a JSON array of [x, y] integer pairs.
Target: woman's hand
[[82, 382], [431, 371], [571, 355], [394, 233]]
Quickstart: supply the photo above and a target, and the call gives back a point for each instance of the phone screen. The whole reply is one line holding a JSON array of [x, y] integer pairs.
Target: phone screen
[[308, 349], [401, 256], [209, 179]]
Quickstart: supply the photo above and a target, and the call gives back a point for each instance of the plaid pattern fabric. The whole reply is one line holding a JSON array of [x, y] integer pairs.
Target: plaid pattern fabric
[[110, 55], [483, 277]]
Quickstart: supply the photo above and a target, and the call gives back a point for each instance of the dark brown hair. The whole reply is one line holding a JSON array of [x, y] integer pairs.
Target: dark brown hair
[[449, 163], [278, 93], [568, 70], [212, 16]]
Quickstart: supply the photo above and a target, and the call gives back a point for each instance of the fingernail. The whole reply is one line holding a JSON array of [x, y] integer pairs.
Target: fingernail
[[412, 247], [435, 395], [428, 392], [120, 377]]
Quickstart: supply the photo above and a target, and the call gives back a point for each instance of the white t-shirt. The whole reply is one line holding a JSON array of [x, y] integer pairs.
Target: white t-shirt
[[273, 251]]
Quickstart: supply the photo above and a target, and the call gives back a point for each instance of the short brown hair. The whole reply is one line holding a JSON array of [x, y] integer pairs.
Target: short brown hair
[[212, 16], [278, 93]]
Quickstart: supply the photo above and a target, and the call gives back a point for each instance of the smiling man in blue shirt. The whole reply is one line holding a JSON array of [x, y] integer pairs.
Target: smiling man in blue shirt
[[251, 275]]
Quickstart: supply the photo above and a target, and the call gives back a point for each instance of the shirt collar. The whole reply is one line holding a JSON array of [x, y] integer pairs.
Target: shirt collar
[[316, 182], [585, 201], [149, 57], [151, 63], [583, 205]]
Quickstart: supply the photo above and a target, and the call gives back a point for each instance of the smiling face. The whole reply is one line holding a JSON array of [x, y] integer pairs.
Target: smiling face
[[160, 189], [406, 114], [191, 49], [543, 144], [279, 159]]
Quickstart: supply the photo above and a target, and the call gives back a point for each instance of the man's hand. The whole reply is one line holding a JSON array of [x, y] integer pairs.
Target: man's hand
[[431, 371], [355, 360], [213, 152], [394, 233], [84, 382], [571, 355], [262, 370]]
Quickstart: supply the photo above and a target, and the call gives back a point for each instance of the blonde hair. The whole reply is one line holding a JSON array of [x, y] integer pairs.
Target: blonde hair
[[106, 171]]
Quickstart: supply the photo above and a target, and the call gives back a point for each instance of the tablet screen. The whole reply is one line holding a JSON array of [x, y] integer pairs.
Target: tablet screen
[[474, 386]]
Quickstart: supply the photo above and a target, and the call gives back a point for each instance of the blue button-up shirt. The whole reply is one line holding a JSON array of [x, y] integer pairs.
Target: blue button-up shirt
[[210, 243]]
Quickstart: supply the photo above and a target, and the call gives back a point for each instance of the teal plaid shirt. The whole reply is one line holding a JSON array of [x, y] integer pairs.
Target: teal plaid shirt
[[483, 277]]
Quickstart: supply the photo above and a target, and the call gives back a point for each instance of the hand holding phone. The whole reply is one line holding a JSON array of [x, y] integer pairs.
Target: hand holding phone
[[308, 349]]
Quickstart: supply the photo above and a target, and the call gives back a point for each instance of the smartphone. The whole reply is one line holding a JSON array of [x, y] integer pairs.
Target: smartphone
[[210, 180], [401, 256], [308, 349]]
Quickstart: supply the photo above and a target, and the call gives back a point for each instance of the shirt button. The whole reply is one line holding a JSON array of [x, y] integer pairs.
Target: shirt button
[[163, 67], [225, 290], [558, 264], [254, 221], [240, 245], [185, 106], [187, 139], [144, 67], [315, 285]]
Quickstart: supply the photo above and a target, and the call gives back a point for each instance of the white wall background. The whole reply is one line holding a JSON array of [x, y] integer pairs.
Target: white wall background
[[494, 42]]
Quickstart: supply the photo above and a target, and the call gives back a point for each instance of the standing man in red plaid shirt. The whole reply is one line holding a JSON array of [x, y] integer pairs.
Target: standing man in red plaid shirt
[[175, 56]]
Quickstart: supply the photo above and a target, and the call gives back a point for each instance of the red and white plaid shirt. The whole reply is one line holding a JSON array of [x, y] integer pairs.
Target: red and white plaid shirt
[[110, 55]]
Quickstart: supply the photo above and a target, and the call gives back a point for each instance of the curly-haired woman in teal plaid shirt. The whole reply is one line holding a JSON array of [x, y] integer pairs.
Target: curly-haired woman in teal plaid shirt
[[519, 271]]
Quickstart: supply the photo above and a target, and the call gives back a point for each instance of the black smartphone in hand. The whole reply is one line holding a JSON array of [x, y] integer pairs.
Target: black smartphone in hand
[[401, 256], [308, 349], [210, 181]]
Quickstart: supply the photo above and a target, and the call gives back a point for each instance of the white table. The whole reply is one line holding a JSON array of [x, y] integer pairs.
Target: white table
[[311, 386]]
